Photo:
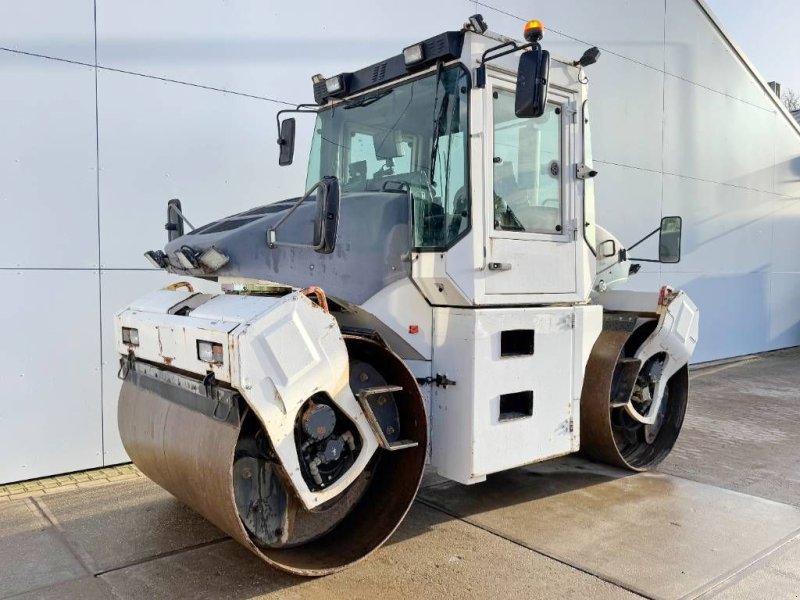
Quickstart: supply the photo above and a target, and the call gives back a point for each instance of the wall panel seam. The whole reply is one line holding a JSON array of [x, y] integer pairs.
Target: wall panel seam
[[147, 76], [78, 269], [691, 177], [99, 244]]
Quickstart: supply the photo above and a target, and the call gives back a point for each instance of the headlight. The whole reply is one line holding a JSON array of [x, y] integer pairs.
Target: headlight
[[209, 352], [130, 336]]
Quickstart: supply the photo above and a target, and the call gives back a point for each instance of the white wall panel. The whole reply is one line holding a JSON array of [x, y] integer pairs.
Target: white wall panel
[[734, 312], [215, 151], [631, 28], [50, 27], [47, 163], [725, 229], [50, 419], [787, 159], [785, 244], [625, 95], [714, 137], [696, 51], [784, 310], [625, 101], [117, 290], [265, 48], [629, 205]]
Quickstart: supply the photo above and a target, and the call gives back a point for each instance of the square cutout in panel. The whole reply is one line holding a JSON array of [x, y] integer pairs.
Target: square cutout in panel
[[516, 406], [516, 342]]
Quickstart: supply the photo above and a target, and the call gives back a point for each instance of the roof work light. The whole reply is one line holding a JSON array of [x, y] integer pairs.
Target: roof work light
[[413, 54], [533, 31], [334, 84]]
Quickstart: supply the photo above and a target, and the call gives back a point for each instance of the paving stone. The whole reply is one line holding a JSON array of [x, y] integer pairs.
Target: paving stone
[[741, 428], [62, 488]]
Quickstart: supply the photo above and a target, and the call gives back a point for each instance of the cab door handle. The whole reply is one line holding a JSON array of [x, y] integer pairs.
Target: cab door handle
[[499, 266]]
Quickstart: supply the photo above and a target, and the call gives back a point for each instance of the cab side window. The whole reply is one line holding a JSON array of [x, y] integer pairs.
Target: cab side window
[[527, 169]]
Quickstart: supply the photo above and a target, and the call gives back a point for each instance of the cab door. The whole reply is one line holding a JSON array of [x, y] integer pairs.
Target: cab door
[[529, 203]]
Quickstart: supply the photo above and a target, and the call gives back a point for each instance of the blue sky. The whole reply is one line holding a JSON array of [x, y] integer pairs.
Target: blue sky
[[768, 33]]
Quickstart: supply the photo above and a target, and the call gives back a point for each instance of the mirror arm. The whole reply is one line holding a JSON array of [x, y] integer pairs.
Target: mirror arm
[[300, 108], [178, 212], [644, 239], [272, 231], [510, 46], [173, 207], [652, 260]]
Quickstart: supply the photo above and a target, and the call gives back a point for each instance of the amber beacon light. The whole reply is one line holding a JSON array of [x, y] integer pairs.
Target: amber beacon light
[[533, 30]]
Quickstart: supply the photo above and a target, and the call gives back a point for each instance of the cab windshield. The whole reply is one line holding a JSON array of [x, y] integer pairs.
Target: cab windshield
[[409, 138]]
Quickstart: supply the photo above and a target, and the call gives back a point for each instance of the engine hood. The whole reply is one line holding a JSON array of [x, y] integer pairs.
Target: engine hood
[[374, 235]]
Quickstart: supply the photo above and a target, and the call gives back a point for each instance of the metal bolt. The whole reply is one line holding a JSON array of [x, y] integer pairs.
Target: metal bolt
[[389, 430], [363, 376], [247, 474]]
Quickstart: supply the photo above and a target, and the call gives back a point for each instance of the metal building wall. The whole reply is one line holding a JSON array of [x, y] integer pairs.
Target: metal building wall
[[109, 108]]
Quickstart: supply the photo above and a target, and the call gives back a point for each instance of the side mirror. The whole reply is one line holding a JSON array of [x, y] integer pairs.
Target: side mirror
[[326, 217], [326, 220], [174, 225], [286, 142], [533, 76], [669, 240]]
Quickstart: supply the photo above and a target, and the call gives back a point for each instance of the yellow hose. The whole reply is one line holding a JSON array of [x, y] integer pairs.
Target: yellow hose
[[178, 285]]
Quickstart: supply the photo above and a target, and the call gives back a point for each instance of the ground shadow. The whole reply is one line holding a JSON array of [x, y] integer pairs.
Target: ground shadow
[[517, 486]]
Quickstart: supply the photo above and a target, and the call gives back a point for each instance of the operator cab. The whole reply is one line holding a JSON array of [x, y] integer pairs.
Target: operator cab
[[420, 123], [457, 167]]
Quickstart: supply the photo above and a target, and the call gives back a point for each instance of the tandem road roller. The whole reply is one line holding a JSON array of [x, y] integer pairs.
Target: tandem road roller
[[440, 295]]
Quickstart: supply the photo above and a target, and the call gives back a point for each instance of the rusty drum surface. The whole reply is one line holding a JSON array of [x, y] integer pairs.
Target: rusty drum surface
[[600, 432], [191, 455]]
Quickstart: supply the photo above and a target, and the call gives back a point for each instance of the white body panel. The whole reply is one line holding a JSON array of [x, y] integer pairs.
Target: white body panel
[[277, 352], [401, 307], [285, 357], [469, 437]]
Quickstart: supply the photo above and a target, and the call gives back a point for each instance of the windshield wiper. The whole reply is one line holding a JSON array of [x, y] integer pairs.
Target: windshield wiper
[[437, 121], [436, 126], [367, 100]]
